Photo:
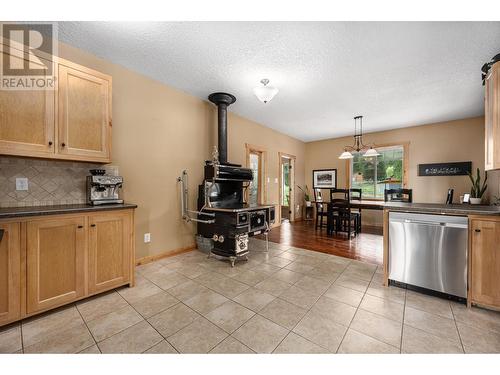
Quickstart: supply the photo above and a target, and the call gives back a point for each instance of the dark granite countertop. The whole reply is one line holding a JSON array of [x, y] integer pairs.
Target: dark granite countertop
[[12, 212], [445, 209]]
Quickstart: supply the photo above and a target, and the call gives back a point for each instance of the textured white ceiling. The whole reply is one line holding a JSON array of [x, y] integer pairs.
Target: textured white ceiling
[[396, 74]]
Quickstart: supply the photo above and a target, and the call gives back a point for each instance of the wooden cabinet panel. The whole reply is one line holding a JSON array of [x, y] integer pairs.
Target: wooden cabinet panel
[[485, 262], [10, 272], [110, 244], [84, 121], [56, 253], [27, 119], [492, 118]]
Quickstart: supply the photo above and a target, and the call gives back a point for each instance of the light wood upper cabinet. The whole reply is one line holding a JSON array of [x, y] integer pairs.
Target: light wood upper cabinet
[[27, 119], [10, 272], [492, 118], [485, 262], [110, 244], [84, 120], [56, 261]]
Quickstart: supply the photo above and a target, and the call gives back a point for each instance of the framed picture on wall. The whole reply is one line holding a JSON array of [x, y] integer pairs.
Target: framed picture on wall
[[324, 179]]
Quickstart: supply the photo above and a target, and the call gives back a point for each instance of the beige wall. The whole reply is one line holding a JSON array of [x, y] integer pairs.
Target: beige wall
[[159, 131], [461, 140]]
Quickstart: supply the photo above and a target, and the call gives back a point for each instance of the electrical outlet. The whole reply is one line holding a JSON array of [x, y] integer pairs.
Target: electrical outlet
[[22, 183], [276, 180], [147, 237]]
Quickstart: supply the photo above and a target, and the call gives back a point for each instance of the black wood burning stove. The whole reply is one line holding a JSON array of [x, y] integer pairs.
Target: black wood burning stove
[[223, 214]]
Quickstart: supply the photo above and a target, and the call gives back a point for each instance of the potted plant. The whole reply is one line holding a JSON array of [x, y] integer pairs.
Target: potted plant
[[477, 190], [307, 196]]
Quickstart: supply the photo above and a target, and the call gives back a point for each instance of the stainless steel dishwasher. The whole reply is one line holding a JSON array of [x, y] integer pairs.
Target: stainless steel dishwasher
[[429, 251]]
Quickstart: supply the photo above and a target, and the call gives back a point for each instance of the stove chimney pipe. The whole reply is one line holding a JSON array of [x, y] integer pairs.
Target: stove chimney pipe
[[222, 100]]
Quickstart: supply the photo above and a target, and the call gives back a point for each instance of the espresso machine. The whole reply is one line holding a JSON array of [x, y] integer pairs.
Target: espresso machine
[[103, 188]]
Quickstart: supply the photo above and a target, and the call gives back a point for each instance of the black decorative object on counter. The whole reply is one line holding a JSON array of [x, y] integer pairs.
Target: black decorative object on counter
[[487, 66], [445, 169]]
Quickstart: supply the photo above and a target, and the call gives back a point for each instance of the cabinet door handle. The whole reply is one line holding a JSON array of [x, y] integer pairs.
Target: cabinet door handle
[[92, 225], [80, 226], [477, 230], [63, 144], [50, 143]]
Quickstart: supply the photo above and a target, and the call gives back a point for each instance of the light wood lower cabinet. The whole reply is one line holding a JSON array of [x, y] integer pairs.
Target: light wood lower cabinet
[[50, 261], [110, 243], [485, 262], [10, 272], [55, 254]]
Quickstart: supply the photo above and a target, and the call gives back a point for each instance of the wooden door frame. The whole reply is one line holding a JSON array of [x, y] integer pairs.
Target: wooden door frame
[[253, 149], [293, 160]]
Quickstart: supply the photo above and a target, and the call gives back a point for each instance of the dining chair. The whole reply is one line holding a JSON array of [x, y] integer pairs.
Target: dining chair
[[321, 212], [341, 219], [398, 195], [356, 195]]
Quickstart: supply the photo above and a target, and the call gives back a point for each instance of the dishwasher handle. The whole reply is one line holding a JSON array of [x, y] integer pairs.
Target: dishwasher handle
[[435, 223]]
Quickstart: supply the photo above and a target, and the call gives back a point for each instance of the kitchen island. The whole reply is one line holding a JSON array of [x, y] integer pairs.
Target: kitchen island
[[431, 231]]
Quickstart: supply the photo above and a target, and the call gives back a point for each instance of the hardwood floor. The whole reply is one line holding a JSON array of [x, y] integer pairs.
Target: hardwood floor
[[366, 246]]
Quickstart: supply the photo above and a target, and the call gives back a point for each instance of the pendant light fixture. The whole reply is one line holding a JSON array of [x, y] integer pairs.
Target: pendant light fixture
[[265, 93], [358, 146]]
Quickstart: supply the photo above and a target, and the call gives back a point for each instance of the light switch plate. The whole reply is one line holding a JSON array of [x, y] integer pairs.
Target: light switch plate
[[21, 184], [276, 180], [147, 237]]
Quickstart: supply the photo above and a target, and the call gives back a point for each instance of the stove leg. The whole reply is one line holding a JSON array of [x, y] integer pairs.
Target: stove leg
[[267, 242], [232, 260], [209, 253]]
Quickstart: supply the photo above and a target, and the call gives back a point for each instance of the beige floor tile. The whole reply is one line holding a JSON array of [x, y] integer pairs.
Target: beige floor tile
[[230, 316], [295, 344], [421, 342], [201, 336], [166, 279], [477, 317], [250, 277], [163, 347], [329, 266], [206, 301], [101, 305], [288, 276], [49, 324], [298, 251], [148, 268], [186, 290], [320, 330], [172, 320], [478, 341], [260, 334], [283, 313], [431, 323], [299, 267], [273, 286], [384, 307], [391, 293], [299, 297], [325, 275], [254, 299], [268, 269], [339, 293], [10, 339], [143, 288], [231, 346], [308, 260], [358, 343], [313, 285], [278, 261], [135, 339], [335, 311], [94, 349], [228, 287], [357, 272], [288, 255], [378, 327], [352, 283], [112, 323], [71, 340], [430, 304], [154, 304], [191, 270]]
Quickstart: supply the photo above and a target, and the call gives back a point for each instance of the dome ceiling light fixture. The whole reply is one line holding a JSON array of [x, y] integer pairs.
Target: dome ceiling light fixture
[[265, 93], [358, 146]]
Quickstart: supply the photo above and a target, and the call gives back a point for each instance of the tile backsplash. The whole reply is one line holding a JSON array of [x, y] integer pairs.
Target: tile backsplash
[[50, 182]]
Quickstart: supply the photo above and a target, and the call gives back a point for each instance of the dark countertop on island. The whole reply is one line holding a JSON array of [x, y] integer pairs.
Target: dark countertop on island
[[443, 209], [12, 212]]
